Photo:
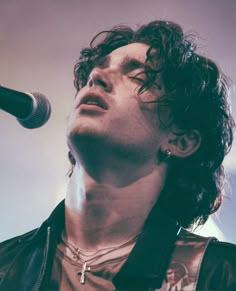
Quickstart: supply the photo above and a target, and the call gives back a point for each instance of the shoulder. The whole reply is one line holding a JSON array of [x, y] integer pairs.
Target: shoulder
[[216, 252], [221, 253], [11, 247], [13, 242], [222, 247], [218, 267]]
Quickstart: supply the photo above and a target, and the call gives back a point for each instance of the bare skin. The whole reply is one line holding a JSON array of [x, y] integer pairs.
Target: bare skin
[[99, 214], [117, 177]]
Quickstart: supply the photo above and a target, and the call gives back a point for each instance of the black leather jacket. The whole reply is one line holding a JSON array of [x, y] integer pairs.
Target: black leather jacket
[[26, 261]]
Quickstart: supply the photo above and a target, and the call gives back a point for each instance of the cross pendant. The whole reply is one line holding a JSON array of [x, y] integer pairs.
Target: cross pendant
[[83, 273]]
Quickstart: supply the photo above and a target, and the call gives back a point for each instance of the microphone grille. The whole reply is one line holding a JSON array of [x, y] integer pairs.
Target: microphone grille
[[40, 113]]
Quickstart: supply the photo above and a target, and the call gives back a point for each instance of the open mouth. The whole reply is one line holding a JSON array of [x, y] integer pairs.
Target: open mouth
[[94, 101]]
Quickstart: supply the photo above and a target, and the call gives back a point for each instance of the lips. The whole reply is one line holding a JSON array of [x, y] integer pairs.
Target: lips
[[93, 100]]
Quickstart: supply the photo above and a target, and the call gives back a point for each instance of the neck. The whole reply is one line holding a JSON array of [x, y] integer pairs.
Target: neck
[[111, 207]]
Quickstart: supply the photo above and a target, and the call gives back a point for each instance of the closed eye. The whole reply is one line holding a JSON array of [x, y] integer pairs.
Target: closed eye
[[139, 77], [146, 82]]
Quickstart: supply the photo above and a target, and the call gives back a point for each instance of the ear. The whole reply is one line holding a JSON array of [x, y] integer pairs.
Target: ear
[[183, 143]]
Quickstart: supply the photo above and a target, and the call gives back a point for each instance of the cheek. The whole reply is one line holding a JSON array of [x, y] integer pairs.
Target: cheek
[[70, 119], [73, 123], [133, 120], [133, 111], [69, 125]]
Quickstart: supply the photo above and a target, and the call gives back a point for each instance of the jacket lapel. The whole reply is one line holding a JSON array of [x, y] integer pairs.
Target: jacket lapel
[[146, 265]]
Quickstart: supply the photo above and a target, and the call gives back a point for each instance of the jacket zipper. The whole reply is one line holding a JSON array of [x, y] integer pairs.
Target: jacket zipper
[[46, 250]]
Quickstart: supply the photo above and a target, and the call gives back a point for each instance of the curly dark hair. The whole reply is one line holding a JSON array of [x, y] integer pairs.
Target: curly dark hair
[[196, 93]]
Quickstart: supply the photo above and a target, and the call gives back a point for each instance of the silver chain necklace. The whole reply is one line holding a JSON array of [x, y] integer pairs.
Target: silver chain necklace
[[77, 252]]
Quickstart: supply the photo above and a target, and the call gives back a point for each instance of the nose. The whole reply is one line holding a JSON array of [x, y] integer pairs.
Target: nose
[[98, 77]]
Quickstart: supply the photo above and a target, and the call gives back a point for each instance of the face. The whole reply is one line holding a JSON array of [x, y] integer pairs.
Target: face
[[173, 276], [110, 108]]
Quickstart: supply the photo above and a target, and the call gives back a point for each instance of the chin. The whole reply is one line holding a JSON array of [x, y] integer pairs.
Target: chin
[[84, 135], [82, 127]]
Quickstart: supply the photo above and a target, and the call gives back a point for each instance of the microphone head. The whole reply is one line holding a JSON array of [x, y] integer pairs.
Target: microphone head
[[40, 113]]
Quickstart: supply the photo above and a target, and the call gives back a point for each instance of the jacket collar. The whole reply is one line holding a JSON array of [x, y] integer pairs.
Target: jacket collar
[[147, 263]]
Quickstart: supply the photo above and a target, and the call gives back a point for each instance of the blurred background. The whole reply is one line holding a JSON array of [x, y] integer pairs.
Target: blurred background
[[39, 44]]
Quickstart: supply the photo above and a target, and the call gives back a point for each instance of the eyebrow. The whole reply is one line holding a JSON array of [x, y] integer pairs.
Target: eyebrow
[[103, 61], [129, 64]]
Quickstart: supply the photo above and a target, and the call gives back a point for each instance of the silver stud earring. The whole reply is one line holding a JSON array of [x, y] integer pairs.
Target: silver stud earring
[[167, 154], [163, 156]]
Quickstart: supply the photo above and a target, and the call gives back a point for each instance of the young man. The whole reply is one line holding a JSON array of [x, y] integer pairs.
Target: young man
[[148, 131]]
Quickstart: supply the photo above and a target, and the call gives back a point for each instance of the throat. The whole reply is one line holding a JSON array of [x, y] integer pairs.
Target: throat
[[98, 225], [102, 214]]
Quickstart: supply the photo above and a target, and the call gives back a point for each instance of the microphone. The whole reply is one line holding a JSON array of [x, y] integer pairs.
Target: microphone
[[32, 110]]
